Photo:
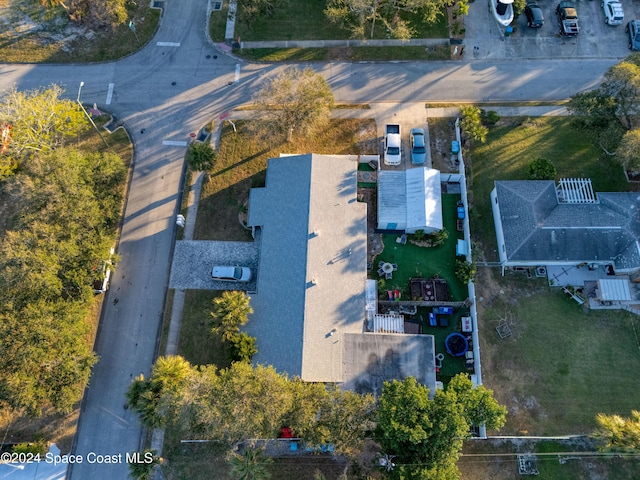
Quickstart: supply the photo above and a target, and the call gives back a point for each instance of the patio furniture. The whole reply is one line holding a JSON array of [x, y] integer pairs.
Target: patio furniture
[[394, 266], [444, 322], [380, 272], [467, 325], [432, 320], [388, 276], [381, 263], [402, 239]]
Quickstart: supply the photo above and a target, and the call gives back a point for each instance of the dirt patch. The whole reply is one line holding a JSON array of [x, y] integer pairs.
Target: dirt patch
[[441, 134], [374, 240]]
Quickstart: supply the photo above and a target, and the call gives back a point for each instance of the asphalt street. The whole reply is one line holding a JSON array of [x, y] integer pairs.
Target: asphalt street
[[166, 91]]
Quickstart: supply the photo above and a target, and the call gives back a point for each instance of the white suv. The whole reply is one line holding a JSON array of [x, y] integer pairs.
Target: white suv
[[613, 13]]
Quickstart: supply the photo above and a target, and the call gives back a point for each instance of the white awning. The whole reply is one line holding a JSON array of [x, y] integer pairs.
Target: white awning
[[388, 323], [614, 290]]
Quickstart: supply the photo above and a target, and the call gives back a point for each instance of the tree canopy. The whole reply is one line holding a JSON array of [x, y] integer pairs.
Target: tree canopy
[[606, 112], [426, 435], [358, 16], [243, 402], [66, 209], [295, 102], [40, 120]]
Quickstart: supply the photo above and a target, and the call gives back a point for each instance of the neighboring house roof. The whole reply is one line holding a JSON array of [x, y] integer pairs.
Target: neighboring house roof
[[312, 269], [538, 228], [410, 200]]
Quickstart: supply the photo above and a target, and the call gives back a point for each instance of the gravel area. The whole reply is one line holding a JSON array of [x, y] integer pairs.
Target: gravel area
[[193, 261]]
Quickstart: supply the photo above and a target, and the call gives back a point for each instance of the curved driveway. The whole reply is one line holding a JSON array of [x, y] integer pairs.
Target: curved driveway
[[163, 93]]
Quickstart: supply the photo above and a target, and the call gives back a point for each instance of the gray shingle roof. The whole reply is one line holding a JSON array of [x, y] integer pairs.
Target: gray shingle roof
[[312, 272], [537, 228]]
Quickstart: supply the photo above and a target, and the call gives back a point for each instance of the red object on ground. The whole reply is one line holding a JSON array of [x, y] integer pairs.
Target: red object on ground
[[285, 432], [396, 294]]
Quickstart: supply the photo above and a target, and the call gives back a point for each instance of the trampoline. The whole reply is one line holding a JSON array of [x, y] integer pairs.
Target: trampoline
[[456, 344]]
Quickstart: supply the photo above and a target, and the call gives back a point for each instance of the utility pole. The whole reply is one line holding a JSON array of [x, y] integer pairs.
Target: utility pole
[[89, 116]]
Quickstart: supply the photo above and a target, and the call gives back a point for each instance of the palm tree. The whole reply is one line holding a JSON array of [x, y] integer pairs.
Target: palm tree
[[251, 465], [230, 311]]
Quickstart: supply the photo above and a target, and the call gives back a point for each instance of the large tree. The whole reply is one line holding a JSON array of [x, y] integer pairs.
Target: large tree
[[68, 205], [44, 358], [426, 435], [606, 112], [628, 151], [295, 101], [360, 16], [622, 83], [40, 120]]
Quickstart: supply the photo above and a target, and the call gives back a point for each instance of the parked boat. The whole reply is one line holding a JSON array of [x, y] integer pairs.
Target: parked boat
[[502, 11]]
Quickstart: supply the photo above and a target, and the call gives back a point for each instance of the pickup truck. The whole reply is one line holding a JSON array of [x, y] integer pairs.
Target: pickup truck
[[567, 18], [392, 144]]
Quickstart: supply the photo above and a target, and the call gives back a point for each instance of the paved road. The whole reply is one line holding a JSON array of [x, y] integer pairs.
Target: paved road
[[163, 93]]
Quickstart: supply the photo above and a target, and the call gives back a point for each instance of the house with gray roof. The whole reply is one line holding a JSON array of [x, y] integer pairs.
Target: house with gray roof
[[539, 223], [310, 300]]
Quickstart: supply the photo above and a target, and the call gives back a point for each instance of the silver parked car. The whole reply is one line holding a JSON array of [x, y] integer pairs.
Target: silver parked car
[[418, 147], [231, 274]]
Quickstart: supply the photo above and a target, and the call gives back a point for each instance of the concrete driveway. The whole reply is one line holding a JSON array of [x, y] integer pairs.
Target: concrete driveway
[[193, 260], [485, 39]]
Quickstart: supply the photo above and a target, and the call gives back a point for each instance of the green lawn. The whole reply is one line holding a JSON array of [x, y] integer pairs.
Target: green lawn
[[562, 365], [196, 343], [305, 20], [508, 152], [414, 261]]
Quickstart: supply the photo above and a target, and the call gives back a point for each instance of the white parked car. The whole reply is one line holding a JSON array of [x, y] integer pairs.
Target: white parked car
[[231, 274], [613, 12]]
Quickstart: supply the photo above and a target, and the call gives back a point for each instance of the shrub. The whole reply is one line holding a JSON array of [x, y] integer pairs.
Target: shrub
[[471, 123], [465, 271], [39, 447], [242, 347], [200, 156], [491, 117], [541, 169]]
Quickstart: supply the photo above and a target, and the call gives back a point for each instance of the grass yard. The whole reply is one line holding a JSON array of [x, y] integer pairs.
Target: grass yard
[[512, 146], [242, 163], [414, 261], [562, 365], [442, 52], [305, 20], [196, 343]]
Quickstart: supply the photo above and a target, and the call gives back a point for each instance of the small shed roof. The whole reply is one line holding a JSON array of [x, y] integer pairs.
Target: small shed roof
[[424, 200], [410, 200]]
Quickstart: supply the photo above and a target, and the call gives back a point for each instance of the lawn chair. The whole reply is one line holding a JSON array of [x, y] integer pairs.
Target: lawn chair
[[395, 266], [388, 276]]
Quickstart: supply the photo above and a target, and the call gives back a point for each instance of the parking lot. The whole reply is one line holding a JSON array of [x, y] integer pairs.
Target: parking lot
[[486, 39]]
